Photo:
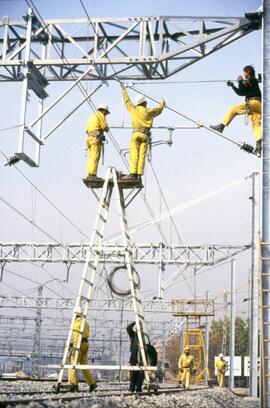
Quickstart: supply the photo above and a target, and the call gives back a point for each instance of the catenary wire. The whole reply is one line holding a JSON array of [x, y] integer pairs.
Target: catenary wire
[[46, 198], [177, 232], [91, 104]]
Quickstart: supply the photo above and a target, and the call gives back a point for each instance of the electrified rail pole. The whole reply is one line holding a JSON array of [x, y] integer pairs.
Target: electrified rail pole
[[232, 326], [265, 245], [254, 287]]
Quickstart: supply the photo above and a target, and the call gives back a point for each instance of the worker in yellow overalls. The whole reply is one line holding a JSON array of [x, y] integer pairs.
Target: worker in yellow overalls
[[221, 366], [82, 358], [247, 86], [96, 126], [186, 366], [142, 121]]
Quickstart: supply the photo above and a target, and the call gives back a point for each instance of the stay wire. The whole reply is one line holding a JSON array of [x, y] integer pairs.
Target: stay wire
[[33, 281], [166, 204], [34, 224], [164, 82], [11, 127], [60, 212]]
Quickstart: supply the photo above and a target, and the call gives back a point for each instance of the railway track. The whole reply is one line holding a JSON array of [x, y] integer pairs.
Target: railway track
[[101, 393]]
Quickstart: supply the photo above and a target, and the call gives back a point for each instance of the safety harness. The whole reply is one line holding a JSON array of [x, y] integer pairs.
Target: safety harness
[[147, 132]]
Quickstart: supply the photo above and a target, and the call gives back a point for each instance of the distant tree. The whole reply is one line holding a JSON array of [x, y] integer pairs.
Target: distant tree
[[173, 348], [216, 336]]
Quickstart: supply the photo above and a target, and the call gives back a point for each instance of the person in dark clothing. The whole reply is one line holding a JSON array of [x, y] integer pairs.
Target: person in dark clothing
[[249, 88], [137, 377]]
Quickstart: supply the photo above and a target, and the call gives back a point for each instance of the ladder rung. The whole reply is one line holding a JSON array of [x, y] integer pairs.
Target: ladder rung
[[98, 233], [85, 298], [88, 281], [266, 340], [265, 274], [102, 218], [266, 290]]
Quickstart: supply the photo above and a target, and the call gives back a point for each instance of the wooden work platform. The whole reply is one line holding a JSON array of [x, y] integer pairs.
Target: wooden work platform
[[124, 184]]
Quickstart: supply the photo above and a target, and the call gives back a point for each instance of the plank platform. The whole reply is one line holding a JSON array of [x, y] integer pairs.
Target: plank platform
[[124, 184]]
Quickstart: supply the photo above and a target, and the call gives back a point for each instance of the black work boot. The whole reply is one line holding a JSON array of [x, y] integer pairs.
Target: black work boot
[[258, 148], [219, 128], [139, 177], [92, 387]]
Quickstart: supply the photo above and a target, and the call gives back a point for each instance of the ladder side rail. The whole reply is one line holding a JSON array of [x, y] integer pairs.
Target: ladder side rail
[[70, 333], [97, 234], [101, 218], [135, 294]]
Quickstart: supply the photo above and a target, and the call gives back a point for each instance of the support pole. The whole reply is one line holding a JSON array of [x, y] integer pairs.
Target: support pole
[[25, 80], [163, 351], [121, 341], [254, 288], [161, 270], [232, 326], [36, 344], [206, 341], [265, 277]]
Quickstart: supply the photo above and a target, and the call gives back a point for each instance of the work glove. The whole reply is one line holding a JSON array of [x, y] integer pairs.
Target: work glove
[[123, 86], [229, 83], [240, 78]]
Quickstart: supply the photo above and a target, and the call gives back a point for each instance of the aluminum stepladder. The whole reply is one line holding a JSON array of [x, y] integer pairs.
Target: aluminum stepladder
[[89, 273]]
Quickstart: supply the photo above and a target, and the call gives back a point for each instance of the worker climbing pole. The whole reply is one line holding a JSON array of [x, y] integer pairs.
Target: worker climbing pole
[[247, 86]]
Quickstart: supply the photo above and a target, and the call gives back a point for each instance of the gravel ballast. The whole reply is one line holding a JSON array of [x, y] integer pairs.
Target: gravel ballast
[[204, 398]]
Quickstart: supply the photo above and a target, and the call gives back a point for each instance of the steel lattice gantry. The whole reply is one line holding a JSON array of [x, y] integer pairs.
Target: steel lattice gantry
[[149, 306], [152, 254], [36, 51], [137, 47]]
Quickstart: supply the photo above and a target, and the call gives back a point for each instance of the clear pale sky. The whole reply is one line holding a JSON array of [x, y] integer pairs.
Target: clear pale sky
[[197, 163]]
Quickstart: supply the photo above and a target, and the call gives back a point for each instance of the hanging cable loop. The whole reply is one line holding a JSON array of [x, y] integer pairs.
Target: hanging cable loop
[[115, 289]]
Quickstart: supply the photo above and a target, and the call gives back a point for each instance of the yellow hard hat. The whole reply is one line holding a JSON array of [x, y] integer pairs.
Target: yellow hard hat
[[186, 348]]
